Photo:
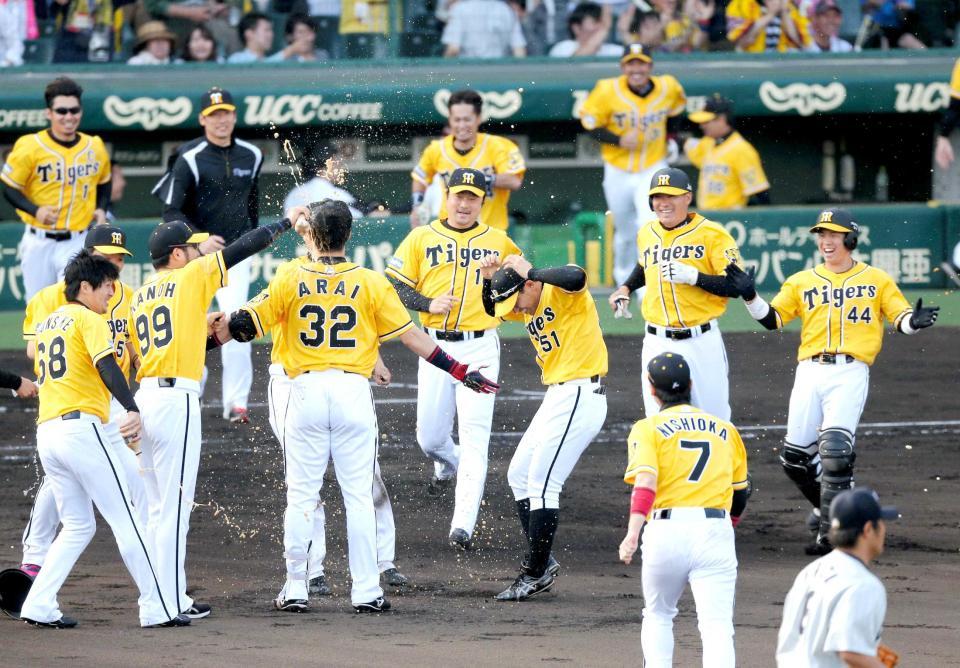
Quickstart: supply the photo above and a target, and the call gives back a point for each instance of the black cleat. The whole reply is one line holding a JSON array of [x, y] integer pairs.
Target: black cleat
[[379, 605], [178, 621], [819, 547], [197, 611], [553, 566], [63, 623], [460, 539], [318, 586], [524, 587], [291, 604], [394, 578], [438, 486]]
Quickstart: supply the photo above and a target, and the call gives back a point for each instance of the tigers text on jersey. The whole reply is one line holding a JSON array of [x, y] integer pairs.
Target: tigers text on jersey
[[730, 173], [700, 243], [70, 342], [53, 297], [437, 259], [331, 316], [50, 174], [835, 605], [699, 459], [491, 155], [612, 105], [565, 332], [841, 313], [168, 318]]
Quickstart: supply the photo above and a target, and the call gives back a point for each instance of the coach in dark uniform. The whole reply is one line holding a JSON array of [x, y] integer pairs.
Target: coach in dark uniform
[[212, 184]]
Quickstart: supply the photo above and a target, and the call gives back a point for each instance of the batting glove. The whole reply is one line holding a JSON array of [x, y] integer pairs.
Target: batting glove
[[479, 383], [677, 272], [744, 282], [923, 317]]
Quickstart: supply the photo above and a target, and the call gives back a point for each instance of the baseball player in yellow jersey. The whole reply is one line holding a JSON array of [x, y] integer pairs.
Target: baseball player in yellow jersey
[[628, 115], [58, 179], [437, 272], [278, 401], [943, 154], [731, 176], [334, 314], [690, 469], [498, 158], [108, 242], [841, 304], [77, 372], [682, 260], [562, 321], [168, 327]]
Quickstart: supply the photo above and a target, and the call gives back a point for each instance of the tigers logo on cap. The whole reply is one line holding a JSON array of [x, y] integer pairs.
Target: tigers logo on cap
[[636, 52], [663, 180]]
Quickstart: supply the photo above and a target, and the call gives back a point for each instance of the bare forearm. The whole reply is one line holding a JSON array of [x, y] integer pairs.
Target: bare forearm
[[417, 341], [508, 181]]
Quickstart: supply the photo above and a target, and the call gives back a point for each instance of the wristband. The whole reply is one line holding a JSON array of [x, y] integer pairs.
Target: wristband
[[735, 520], [416, 199], [444, 362], [758, 308], [641, 501]]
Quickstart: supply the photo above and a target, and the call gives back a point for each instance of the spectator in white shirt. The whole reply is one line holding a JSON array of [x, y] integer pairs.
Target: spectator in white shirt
[[483, 29], [824, 28], [155, 45], [323, 166], [256, 31], [589, 25]]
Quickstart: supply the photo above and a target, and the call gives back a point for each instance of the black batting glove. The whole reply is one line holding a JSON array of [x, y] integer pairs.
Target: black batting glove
[[479, 383], [923, 317], [742, 281]]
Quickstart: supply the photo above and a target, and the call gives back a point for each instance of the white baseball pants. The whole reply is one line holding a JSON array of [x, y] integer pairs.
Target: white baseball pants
[[83, 471], [170, 456], [331, 414], [826, 396], [709, 370], [235, 356], [45, 518], [688, 548], [629, 202], [43, 260], [278, 400], [567, 421], [439, 398]]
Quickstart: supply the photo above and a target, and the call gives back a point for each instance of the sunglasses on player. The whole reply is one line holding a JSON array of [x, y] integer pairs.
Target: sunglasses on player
[[63, 111]]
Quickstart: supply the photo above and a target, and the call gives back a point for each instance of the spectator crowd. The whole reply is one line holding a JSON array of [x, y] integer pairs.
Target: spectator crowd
[[163, 32]]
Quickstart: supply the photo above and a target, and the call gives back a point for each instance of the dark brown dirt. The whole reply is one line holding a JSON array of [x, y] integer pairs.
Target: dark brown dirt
[[593, 615]]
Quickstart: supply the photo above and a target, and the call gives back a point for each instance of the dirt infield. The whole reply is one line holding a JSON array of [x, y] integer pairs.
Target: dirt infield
[[593, 616]]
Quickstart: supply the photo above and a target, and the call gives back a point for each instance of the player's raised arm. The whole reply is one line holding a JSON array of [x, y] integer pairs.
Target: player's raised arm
[[744, 284], [260, 238]]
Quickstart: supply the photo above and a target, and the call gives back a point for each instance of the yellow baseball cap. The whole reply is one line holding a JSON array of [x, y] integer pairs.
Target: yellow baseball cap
[[469, 180], [636, 52], [715, 106]]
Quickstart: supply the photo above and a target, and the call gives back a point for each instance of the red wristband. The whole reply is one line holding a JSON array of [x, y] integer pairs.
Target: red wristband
[[642, 500], [735, 520]]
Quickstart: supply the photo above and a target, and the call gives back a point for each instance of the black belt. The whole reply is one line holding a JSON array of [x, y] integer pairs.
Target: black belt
[[72, 415], [593, 379], [831, 358], [678, 334], [451, 335], [56, 236], [709, 513], [166, 382]]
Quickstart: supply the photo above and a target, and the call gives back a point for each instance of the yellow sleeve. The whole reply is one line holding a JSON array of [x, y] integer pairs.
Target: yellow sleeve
[[512, 248], [508, 159], [738, 22], [392, 317], [19, 164], [955, 80], [104, 158], [750, 171], [679, 97], [404, 265], [595, 112], [39, 307], [264, 308], [208, 271], [739, 459], [787, 302], [895, 306], [723, 251], [696, 150], [513, 317], [427, 167], [96, 336], [641, 451]]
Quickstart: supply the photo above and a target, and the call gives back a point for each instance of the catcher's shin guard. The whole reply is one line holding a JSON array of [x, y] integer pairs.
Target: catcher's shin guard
[[802, 466], [837, 456]]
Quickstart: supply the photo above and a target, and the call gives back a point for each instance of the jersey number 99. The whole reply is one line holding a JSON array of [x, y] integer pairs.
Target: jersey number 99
[[162, 329]]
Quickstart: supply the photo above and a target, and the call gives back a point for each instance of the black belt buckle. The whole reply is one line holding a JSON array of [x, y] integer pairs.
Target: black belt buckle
[[826, 358], [714, 513], [679, 334], [72, 415], [167, 382]]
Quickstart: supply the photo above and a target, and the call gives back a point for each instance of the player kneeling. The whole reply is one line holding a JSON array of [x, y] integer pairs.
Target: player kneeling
[[334, 314]]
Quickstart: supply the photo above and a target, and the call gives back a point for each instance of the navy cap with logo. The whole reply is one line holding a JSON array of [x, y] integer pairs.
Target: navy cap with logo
[[469, 180], [836, 220], [670, 181], [853, 508], [215, 99], [715, 105], [669, 372], [107, 239], [637, 52], [505, 288], [174, 234]]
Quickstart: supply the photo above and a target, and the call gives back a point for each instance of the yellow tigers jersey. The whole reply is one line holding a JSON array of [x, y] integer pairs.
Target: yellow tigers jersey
[[437, 259], [50, 174], [729, 173], [331, 316], [841, 313], [613, 106], [168, 318], [955, 80], [276, 332], [565, 333], [491, 155], [70, 342], [52, 297], [700, 243], [698, 459]]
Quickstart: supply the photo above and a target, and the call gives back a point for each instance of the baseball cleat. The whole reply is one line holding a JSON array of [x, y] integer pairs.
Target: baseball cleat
[[178, 621], [819, 547], [318, 586], [524, 587], [197, 611], [30, 569], [394, 578], [238, 416], [553, 566], [439, 486], [460, 539], [813, 522], [63, 623], [378, 605], [951, 272], [291, 604]]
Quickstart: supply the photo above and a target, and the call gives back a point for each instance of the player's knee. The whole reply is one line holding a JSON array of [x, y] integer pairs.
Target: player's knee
[[836, 452], [798, 461]]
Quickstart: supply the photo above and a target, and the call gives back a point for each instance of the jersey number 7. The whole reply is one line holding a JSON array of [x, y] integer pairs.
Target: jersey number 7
[[704, 448]]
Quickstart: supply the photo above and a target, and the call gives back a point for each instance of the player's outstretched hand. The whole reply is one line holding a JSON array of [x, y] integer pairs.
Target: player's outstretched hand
[[673, 271], [130, 427], [212, 244], [619, 298], [742, 281], [213, 319], [476, 381], [519, 264], [923, 316], [27, 389], [628, 547], [489, 265], [443, 303]]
